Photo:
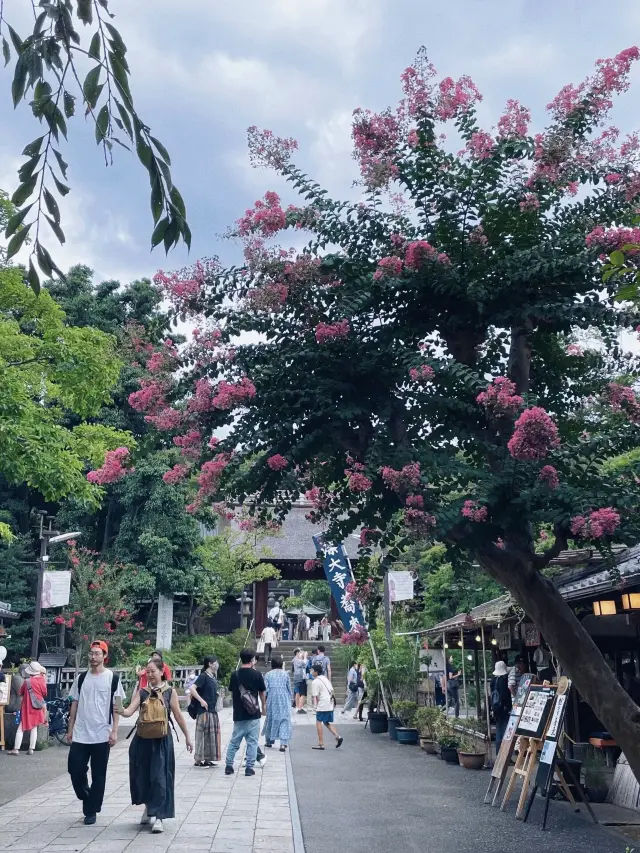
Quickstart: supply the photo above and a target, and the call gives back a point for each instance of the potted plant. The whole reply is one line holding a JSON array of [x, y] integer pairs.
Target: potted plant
[[406, 732], [427, 720], [595, 779], [447, 740], [470, 755]]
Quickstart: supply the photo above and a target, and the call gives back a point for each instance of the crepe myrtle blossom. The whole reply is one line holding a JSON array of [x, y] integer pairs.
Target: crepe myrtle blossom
[[268, 150], [357, 636], [474, 512], [388, 267], [277, 462], [424, 373], [407, 478], [549, 476], [621, 398], [601, 522], [175, 474], [326, 332], [419, 522], [112, 469], [575, 350], [312, 565], [535, 435], [230, 395], [499, 397]]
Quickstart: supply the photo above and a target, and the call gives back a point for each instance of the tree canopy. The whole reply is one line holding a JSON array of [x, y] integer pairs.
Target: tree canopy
[[415, 368]]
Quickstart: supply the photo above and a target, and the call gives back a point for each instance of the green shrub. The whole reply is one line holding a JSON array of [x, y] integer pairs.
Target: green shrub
[[190, 651]]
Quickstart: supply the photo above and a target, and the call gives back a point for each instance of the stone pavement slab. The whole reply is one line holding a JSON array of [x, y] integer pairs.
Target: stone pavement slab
[[214, 813]]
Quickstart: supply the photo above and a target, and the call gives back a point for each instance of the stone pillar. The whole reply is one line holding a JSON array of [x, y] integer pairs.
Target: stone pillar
[[260, 599], [164, 630]]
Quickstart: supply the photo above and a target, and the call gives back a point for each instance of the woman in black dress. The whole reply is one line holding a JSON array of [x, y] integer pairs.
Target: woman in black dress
[[205, 691], [152, 762]]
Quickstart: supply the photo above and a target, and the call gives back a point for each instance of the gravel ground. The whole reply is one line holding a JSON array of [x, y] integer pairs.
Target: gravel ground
[[376, 796]]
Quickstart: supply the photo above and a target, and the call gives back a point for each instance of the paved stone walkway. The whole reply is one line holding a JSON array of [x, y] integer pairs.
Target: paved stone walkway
[[214, 812]]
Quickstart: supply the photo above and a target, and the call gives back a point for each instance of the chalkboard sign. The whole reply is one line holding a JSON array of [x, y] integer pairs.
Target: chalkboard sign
[[536, 711]]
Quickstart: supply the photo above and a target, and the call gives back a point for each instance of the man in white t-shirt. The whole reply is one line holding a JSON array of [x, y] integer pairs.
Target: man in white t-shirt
[[270, 640], [323, 699], [93, 729]]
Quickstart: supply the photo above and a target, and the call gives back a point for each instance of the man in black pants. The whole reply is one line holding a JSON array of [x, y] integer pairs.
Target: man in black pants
[[93, 729]]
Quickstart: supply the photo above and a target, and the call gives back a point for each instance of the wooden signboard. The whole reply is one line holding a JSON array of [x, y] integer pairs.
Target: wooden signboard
[[503, 758], [536, 712]]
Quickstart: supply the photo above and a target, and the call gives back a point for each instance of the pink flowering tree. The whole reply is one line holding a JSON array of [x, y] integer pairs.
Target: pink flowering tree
[[413, 370]]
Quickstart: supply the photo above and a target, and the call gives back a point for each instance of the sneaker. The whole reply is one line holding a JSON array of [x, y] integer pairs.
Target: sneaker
[[249, 771], [283, 749], [339, 742], [89, 819], [302, 711], [228, 770], [261, 761], [145, 819], [158, 826]]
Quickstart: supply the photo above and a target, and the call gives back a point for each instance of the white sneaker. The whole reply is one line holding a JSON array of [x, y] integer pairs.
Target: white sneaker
[[157, 826], [145, 819], [262, 761]]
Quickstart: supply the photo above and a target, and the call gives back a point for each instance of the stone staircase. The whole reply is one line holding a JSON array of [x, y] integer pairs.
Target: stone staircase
[[338, 671]]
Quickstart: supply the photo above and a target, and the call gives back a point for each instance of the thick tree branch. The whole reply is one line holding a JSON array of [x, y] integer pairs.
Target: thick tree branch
[[561, 544], [520, 356]]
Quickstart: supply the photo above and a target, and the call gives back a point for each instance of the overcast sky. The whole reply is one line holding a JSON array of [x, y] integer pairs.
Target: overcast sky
[[203, 70]]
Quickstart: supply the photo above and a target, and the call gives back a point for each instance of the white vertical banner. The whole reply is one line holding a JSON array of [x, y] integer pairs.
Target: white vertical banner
[[164, 631], [400, 586], [56, 589]]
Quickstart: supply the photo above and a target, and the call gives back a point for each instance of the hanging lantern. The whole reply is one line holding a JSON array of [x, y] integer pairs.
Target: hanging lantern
[[604, 608], [494, 642], [460, 642], [478, 638], [631, 601]]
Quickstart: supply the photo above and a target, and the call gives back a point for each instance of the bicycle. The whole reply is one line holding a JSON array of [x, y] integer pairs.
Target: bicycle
[[58, 711]]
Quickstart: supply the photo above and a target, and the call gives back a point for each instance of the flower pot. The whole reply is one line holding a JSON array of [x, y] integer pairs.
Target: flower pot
[[449, 754], [407, 736], [394, 722], [428, 745], [472, 760], [597, 793], [378, 722]]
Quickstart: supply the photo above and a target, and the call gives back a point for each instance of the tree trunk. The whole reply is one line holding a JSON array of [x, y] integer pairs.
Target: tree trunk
[[574, 648], [107, 525], [195, 611]]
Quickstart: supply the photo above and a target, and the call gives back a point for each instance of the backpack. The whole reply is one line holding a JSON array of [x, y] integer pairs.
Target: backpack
[[36, 702], [249, 701], [115, 681], [153, 717]]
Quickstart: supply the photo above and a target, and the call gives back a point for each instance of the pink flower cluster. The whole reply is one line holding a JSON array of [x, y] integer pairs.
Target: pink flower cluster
[[478, 236], [549, 476], [481, 145], [269, 297], [230, 395], [150, 397], [534, 436], [112, 468], [419, 521], [185, 288], [499, 398], [621, 398], [175, 474], [368, 536], [474, 512], [455, 97], [203, 397], [277, 462], [389, 267], [375, 139], [575, 350], [265, 217], [424, 373], [358, 636], [601, 522], [514, 122], [403, 480], [166, 419], [530, 203], [211, 473], [362, 593], [416, 85], [415, 501], [267, 149], [312, 565], [358, 482], [610, 239], [326, 332], [190, 444], [418, 252], [595, 92]]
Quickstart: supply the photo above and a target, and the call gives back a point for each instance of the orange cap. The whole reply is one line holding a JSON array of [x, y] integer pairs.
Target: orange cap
[[100, 644]]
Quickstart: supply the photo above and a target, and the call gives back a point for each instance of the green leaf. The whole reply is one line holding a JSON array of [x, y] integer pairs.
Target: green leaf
[[85, 11], [57, 230], [17, 241], [116, 39], [159, 231], [95, 47], [24, 191], [19, 79], [27, 169], [120, 72], [170, 235], [69, 104], [617, 258], [186, 234], [90, 87], [15, 38], [162, 151], [156, 199], [61, 163], [33, 148], [44, 260], [6, 52], [63, 189], [126, 120], [33, 278], [629, 292], [52, 205], [145, 154], [177, 201], [102, 124], [16, 220]]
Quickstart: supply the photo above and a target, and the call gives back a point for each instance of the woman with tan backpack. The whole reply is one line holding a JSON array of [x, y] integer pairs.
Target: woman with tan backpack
[[151, 757]]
